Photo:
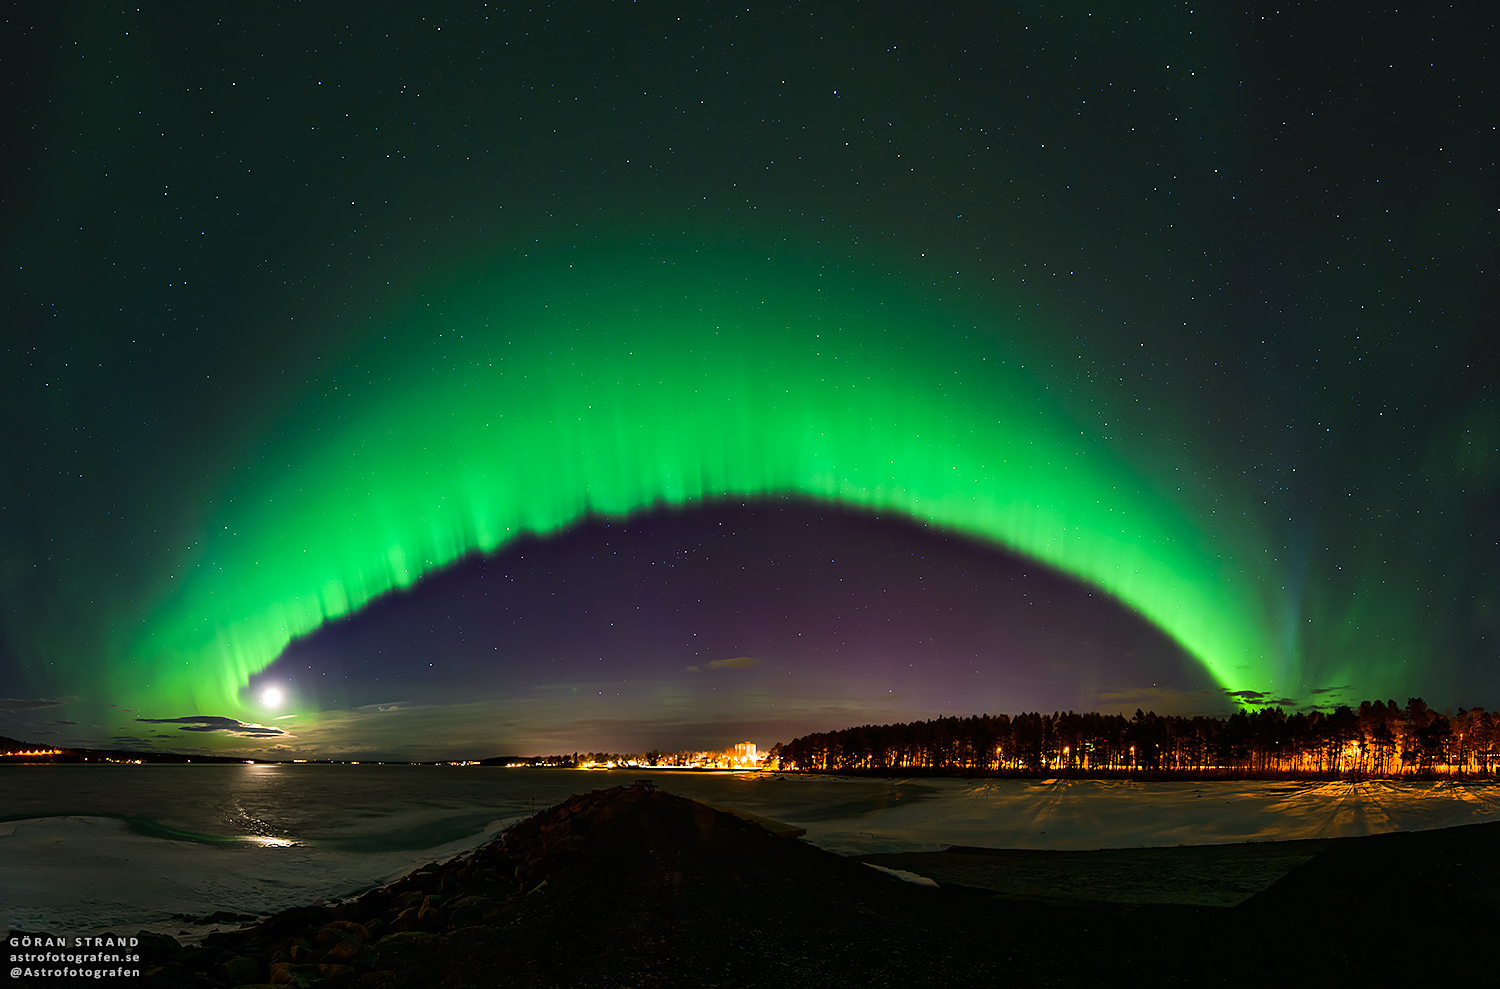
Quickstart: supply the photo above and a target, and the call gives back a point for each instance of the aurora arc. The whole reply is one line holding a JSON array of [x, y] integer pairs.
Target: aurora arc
[[562, 386]]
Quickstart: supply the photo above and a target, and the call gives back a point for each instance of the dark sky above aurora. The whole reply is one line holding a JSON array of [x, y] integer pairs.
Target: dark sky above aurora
[[617, 376]]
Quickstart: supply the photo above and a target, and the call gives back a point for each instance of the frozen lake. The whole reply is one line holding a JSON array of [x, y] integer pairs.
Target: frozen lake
[[86, 849]]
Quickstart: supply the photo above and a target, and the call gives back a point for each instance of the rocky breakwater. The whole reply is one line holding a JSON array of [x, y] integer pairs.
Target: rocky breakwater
[[622, 880]]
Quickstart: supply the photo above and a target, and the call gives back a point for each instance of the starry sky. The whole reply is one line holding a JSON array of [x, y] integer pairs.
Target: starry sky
[[460, 379]]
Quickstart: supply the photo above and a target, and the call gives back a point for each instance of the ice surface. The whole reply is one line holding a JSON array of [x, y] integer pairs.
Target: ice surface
[[89, 875]]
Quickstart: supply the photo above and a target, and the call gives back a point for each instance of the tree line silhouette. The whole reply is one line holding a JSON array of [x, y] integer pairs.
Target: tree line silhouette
[[1376, 739]]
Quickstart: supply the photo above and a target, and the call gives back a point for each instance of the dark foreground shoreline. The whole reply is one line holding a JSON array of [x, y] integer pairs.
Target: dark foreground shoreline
[[635, 887]]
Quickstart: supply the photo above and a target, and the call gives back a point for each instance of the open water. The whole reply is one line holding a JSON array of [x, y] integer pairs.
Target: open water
[[90, 849]]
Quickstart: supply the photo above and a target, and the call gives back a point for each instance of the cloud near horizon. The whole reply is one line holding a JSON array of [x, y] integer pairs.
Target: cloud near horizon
[[215, 723], [1211, 702]]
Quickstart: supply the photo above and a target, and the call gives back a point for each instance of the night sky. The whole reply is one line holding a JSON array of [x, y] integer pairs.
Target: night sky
[[616, 376]]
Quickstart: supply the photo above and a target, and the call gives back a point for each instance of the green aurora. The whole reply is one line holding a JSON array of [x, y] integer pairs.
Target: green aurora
[[561, 387]]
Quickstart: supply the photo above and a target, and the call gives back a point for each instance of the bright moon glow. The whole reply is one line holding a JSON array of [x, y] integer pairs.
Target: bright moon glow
[[271, 697]]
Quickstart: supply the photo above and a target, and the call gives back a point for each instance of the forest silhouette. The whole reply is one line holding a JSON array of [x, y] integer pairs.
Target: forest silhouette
[[1379, 738]]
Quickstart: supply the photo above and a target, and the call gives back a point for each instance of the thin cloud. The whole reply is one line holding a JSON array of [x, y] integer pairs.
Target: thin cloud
[[737, 663], [133, 743], [1163, 700], [37, 704]]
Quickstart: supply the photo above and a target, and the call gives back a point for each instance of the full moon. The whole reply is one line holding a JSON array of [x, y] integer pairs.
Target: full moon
[[271, 696]]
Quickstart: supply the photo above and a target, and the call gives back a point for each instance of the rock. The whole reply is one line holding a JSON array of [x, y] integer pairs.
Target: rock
[[240, 970], [406, 921], [395, 951], [340, 930], [288, 973], [333, 971], [472, 910], [429, 916], [159, 947], [282, 973], [285, 949], [343, 953]]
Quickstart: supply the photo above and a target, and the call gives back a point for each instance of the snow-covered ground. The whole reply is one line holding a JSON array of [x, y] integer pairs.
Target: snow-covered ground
[[1090, 814], [78, 874]]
